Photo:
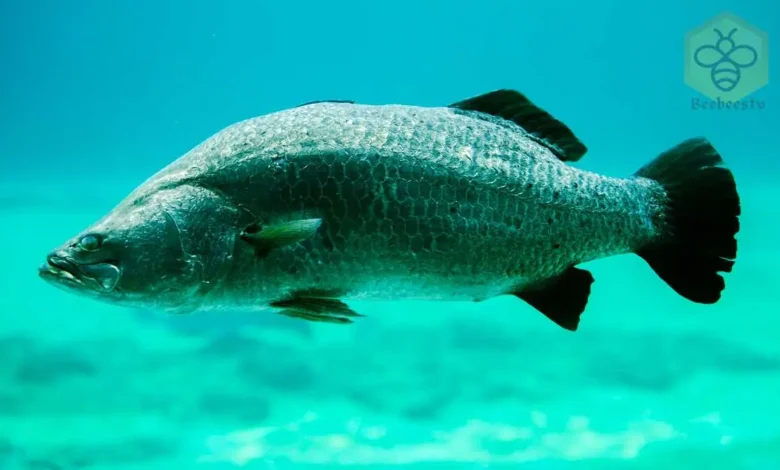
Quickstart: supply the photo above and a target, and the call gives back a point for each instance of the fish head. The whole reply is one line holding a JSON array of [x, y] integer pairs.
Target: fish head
[[144, 253]]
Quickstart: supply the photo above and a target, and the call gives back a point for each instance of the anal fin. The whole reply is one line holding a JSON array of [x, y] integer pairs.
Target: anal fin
[[316, 305], [563, 299]]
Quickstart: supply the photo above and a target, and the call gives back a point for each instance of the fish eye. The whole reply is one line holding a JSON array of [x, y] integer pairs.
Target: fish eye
[[90, 242]]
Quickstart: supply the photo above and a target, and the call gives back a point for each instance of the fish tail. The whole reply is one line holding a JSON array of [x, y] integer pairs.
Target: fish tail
[[700, 220]]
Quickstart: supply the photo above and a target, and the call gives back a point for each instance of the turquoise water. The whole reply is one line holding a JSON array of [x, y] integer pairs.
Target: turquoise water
[[96, 96]]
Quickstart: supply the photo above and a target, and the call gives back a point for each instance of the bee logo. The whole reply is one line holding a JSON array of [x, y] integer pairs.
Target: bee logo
[[725, 60]]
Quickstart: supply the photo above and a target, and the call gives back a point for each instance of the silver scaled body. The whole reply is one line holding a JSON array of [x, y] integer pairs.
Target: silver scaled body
[[416, 203]]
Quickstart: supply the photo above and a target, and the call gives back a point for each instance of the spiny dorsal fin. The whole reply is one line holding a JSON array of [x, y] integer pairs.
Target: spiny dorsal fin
[[326, 101], [513, 106]]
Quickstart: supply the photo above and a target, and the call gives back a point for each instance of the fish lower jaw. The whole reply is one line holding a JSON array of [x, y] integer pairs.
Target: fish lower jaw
[[55, 275]]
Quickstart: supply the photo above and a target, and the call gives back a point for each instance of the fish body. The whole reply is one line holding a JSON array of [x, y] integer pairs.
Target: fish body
[[308, 208], [415, 203]]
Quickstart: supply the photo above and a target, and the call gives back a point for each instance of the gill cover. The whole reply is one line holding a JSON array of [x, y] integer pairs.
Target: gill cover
[[204, 223]]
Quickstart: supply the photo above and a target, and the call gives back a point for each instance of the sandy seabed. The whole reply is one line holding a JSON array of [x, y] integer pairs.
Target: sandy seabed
[[649, 381]]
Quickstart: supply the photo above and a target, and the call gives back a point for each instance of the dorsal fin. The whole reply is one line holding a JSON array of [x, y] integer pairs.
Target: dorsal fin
[[513, 106], [326, 101]]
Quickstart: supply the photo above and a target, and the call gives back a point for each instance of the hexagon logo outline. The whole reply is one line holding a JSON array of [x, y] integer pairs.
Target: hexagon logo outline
[[726, 58]]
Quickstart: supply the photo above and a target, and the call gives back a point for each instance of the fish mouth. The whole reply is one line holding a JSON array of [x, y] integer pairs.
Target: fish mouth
[[102, 276]]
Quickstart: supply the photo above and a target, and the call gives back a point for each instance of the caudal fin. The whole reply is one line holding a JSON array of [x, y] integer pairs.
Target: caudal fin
[[702, 216]]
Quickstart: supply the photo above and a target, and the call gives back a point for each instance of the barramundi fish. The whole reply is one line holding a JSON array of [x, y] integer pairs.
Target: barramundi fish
[[307, 209]]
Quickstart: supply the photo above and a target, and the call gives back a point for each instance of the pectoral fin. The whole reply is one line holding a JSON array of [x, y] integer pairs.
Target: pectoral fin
[[314, 305], [267, 238]]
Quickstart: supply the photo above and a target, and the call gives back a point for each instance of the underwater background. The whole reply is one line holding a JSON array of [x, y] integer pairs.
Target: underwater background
[[95, 96]]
